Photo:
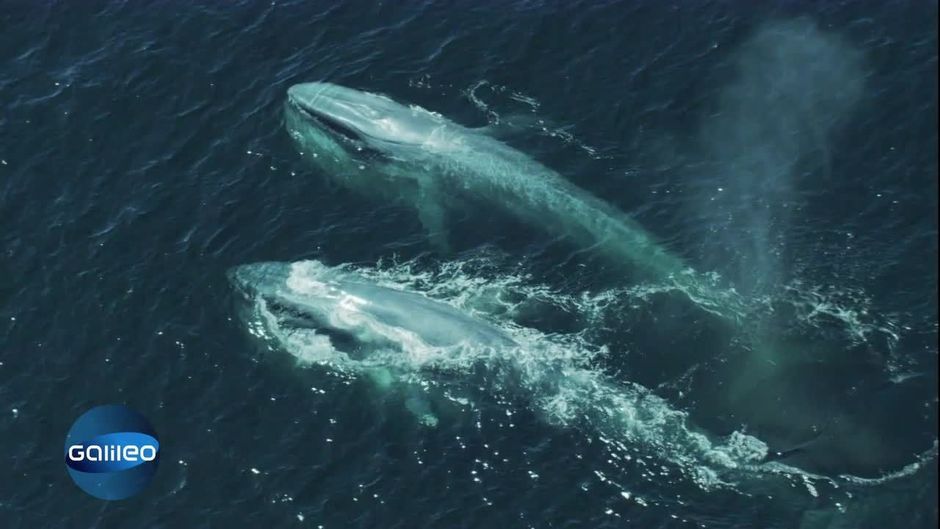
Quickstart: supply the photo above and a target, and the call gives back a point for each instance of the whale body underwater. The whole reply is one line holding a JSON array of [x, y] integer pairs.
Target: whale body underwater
[[348, 321], [340, 319], [376, 146]]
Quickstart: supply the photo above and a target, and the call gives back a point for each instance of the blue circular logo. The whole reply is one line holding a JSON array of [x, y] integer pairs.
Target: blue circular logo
[[112, 452]]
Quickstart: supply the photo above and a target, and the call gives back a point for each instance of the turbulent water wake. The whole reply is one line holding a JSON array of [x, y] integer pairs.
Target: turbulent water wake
[[559, 375]]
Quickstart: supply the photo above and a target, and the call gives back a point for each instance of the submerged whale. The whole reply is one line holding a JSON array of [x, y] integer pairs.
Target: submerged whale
[[376, 146], [352, 321], [342, 319]]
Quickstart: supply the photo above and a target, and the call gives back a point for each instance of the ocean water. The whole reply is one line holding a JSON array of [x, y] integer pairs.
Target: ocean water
[[786, 151]]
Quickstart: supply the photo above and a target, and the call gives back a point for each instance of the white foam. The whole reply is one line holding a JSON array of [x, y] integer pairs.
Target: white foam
[[556, 371]]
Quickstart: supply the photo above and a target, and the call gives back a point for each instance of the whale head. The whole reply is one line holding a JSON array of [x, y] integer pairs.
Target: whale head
[[336, 120], [352, 317], [304, 309]]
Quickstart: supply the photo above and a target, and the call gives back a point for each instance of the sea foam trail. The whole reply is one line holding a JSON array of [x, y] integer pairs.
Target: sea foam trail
[[557, 374]]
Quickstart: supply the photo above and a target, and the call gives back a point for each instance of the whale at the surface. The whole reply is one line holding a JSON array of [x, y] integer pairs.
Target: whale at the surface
[[376, 146], [349, 322], [331, 316], [360, 322], [343, 319]]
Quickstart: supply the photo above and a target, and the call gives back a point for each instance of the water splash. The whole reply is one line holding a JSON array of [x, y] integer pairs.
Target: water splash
[[558, 375]]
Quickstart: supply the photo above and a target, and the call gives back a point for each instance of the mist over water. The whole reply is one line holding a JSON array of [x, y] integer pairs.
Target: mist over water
[[794, 85]]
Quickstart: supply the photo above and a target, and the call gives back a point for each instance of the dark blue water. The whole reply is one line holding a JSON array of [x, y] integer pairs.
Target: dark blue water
[[143, 154]]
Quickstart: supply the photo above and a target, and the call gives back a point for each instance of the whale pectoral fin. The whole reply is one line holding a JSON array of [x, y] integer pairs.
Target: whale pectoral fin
[[433, 218]]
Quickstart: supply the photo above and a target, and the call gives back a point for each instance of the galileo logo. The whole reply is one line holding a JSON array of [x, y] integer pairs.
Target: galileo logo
[[111, 452]]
